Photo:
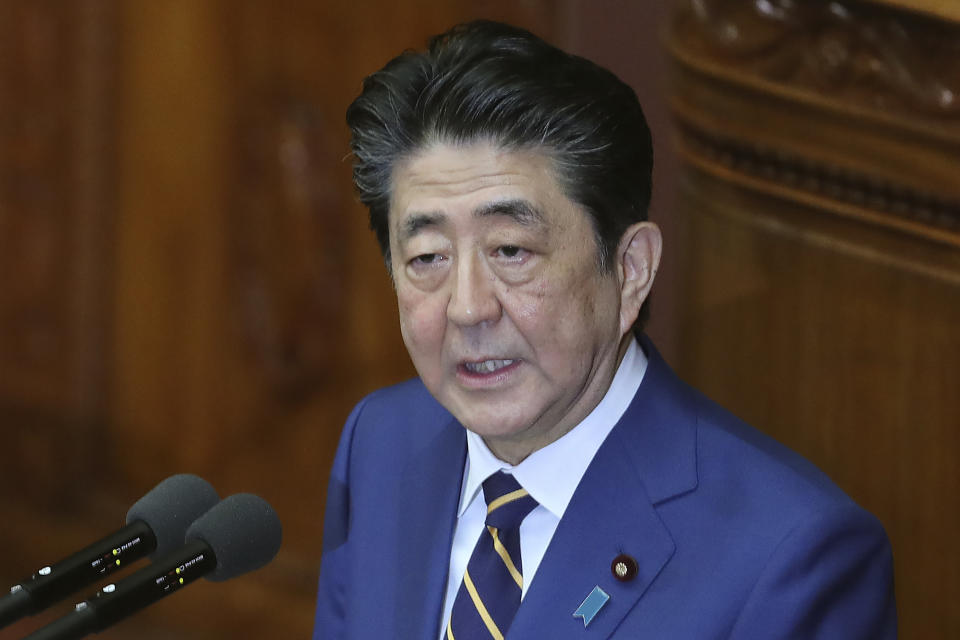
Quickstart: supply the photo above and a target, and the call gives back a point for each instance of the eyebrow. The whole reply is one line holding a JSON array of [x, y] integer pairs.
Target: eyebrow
[[520, 211], [414, 223]]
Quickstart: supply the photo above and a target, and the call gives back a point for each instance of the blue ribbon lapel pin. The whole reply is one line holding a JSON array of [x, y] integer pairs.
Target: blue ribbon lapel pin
[[591, 605]]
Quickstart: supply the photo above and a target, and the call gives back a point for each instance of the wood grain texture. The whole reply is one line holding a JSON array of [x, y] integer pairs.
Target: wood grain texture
[[55, 239]]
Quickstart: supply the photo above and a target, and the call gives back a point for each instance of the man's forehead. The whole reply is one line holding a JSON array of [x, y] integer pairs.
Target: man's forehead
[[484, 180], [468, 166]]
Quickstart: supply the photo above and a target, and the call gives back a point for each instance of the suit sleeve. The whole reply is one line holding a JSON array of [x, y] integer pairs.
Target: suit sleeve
[[332, 595], [830, 577]]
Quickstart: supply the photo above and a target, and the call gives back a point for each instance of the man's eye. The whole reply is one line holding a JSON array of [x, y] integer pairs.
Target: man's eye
[[426, 259], [510, 251]]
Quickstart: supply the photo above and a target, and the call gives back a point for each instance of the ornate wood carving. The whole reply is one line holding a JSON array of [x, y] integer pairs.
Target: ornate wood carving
[[851, 51], [882, 85], [842, 187]]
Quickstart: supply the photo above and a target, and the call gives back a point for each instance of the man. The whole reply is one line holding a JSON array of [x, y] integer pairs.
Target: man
[[547, 476]]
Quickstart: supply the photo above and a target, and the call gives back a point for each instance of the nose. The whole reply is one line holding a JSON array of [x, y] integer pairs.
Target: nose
[[473, 299]]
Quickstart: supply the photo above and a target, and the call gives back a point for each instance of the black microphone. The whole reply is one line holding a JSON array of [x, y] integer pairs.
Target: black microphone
[[240, 534], [156, 524]]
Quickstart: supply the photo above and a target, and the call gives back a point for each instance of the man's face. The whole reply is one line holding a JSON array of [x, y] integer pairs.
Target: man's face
[[503, 309]]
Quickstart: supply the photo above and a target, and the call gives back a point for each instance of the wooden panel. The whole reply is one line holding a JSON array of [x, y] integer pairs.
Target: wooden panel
[[55, 231], [820, 218], [56, 239]]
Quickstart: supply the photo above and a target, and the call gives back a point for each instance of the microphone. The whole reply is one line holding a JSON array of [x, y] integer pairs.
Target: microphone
[[156, 524], [240, 534]]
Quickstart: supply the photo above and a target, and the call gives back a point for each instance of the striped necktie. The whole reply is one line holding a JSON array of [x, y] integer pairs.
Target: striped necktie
[[490, 592]]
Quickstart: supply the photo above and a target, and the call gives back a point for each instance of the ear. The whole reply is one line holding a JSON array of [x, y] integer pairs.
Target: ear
[[638, 256]]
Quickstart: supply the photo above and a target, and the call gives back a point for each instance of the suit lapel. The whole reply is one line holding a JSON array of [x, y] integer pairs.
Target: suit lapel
[[606, 519], [649, 457], [431, 494]]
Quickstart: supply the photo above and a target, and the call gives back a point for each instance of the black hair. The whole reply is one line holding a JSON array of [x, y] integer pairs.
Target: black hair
[[487, 81]]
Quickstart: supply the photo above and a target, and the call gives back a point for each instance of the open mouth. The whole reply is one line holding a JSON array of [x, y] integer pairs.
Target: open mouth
[[486, 367]]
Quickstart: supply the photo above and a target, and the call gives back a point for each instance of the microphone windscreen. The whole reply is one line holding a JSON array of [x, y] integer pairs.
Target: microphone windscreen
[[171, 507], [243, 531]]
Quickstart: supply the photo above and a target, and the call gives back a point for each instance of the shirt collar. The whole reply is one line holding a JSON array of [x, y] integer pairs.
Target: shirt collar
[[572, 452]]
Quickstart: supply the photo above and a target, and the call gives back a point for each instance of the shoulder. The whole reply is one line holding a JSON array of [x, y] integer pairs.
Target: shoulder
[[720, 430], [723, 471], [796, 536], [767, 522], [407, 400], [772, 512], [754, 467], [401, 412], [391, 424], [384, 432]]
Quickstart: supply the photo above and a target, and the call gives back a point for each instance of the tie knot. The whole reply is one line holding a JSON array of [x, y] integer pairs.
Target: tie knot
[[507, 502]]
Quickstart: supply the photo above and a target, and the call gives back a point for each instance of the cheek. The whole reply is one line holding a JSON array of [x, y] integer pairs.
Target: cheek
[[421, 320], [549, 317], [570, 313]]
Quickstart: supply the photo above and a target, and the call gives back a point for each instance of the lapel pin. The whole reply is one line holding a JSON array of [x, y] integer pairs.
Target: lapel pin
[[591, 605], [624, 568]]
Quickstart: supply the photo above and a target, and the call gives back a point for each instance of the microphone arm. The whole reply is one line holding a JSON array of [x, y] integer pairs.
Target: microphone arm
[[156, 525], [114, 602], [53, 583], [240, 534], [14, 605]]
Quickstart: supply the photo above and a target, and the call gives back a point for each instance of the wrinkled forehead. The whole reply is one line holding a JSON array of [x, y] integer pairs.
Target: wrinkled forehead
[[442, 176]]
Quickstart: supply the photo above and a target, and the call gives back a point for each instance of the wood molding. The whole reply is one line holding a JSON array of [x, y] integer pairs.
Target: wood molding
[[876, 151], [944, 9], [856, 52], [829, 187]]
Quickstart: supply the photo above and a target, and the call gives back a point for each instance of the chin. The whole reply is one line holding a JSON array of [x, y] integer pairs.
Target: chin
[[496, 428]]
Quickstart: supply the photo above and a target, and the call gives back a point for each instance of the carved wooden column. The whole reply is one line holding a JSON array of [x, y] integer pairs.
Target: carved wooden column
[[821, 216]]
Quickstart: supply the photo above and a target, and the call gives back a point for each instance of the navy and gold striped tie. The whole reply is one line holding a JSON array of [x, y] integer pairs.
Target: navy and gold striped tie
[[490, 592]]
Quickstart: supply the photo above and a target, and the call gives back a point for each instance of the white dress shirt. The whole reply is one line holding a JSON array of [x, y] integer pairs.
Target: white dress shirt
[[550, 475]]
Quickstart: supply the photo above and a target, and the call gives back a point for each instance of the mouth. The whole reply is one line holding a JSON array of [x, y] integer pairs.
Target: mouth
[[486, 366], [486, 372]]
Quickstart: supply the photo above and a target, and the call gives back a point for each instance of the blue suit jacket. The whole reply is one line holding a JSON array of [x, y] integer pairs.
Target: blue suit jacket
[[734, 535]]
